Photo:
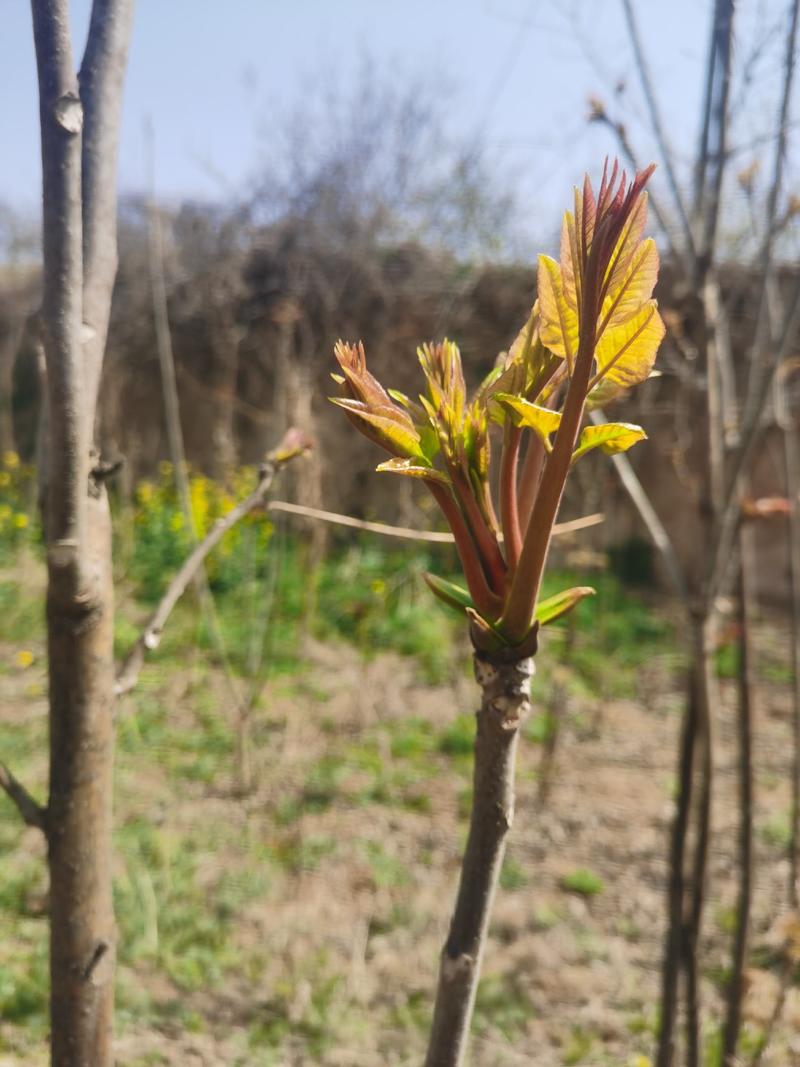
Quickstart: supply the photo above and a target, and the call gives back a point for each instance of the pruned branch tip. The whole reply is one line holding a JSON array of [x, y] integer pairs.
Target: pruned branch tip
[[33, 814]]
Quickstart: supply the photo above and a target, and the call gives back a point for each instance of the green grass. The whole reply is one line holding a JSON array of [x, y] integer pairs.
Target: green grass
[[777, 830], [583, 882], [503, 1005], [183, 884]]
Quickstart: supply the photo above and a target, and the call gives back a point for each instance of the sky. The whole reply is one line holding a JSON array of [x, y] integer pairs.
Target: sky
[[215, 79]]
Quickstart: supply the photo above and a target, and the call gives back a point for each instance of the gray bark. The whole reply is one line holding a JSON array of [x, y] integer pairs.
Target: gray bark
[[505, 701], [79, 139]]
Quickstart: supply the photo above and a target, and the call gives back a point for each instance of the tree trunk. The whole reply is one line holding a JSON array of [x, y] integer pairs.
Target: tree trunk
[[505, 702], [736, 986], [686, 890], [791, 444], [82, 935], [674, 946], [704, 668], [79, 126]]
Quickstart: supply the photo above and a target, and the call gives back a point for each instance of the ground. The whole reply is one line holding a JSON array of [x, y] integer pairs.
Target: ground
[[299, 922]]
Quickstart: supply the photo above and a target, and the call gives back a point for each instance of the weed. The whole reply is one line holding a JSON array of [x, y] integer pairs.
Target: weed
[[579, 1046], [777, 831], [501, 1004], [512, 875], [458, 739], [582, 881]]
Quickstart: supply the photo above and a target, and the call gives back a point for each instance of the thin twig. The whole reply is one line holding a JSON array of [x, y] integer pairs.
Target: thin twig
[[776, 187], [786, 980], [733, 1019], [33, 814], [128, 673], [151, 638], [714, 138], [791, 444], [655, 121], [599, 114], [697, 888], [647, 513], [407, 533], [674, 948], [748, 439], [166, 358]]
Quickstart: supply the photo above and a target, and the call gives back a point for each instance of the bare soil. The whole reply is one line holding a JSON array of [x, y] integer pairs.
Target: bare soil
[[334, 960]]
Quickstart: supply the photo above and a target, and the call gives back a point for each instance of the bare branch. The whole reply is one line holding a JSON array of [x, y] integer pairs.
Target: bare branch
[[718, 362], [33, 814], [128, 673], [771, 230], [745, 712], [791, 443], [166, 359], [655, 120], [61, 117], [598, 113], [405, 532], [100, 80], [647, 513], [712, 156], [750, 434]]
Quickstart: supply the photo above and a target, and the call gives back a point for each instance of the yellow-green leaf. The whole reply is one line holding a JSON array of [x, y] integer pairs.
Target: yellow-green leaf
[[555, 607], [558, 326], [602, 393], [611, 437], [451, 594], [626, 353], [413, 470], [523, 342], [628, 244], [542, 421], [359, 383], [390, 426], [630, 290]]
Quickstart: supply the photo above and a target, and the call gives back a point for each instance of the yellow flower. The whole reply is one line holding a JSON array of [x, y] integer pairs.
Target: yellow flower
[[5, 479], [20, 521], [24, 658], [378, 586], [176, 522], [10, 460], [640, 1061]]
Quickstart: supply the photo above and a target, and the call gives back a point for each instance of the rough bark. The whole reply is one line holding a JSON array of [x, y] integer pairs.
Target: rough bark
[[79, 138], [505, 701], [82, 933]]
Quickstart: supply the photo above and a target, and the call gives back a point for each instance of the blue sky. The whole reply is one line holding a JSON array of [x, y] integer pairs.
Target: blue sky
[[215, 78]]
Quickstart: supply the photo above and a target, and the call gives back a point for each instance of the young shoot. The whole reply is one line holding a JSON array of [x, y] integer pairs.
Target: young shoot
[[592, 333]]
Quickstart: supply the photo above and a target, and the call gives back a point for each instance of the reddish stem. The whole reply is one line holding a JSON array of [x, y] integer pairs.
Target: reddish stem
[[488, 604], [521, 600], [529, 480], [509, 514], [486, 542]]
